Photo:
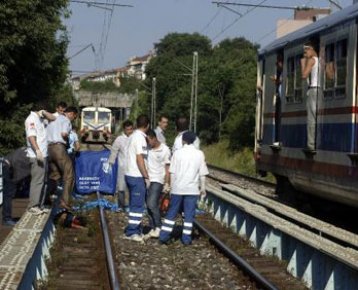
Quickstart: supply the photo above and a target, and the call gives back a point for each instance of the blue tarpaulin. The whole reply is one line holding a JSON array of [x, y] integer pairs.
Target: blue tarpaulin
[[93, 173]]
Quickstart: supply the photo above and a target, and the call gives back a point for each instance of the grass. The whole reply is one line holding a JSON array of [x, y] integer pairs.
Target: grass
[[239, 161]]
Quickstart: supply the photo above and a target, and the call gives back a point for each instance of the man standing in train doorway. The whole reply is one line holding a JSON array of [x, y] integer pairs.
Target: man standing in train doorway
[[310, 72]]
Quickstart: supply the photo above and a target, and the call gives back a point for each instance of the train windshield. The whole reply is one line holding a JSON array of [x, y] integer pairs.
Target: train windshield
[[89, 115], [103, 117]]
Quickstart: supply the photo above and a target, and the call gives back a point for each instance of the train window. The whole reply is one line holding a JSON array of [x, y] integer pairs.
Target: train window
[[290, 80], [329, 71], [298, 79], [341, 61], [335, 69], [89, 115], [103, 117], [294, 80]]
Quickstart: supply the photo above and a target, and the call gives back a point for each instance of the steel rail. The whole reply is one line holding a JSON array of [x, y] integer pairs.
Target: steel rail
[[114, 280], [239, 175], [236, 258]]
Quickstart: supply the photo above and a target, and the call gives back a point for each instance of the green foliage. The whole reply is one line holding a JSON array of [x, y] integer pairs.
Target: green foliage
[[33, 65], [128, 85], [227, 81], [241, 161]]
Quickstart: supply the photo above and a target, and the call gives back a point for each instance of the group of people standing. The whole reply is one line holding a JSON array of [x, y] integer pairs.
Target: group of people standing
[[147, 167], [45, 161]]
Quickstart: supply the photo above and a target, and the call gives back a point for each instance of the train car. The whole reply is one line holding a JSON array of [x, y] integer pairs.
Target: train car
[[96, 125], [330, 171]]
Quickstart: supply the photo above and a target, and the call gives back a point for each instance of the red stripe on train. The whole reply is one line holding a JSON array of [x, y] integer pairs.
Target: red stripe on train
[[325, 111], [309, 166]]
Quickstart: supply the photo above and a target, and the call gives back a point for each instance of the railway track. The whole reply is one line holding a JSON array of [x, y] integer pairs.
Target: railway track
[[83, 258], [219, 176], [282, 231]]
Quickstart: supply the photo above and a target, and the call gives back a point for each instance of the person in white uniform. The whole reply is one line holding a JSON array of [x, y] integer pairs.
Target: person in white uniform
[[136, 177], [182, 126], [159, 177], [119, 152], [310, 72], [36, 139], [160, 130], [187, 173]]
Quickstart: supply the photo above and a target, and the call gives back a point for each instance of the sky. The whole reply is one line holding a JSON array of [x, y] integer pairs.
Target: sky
[[133, 31]]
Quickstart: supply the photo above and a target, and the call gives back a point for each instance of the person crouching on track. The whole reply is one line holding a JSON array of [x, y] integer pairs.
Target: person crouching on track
[[136, 176], [158, 171], [187, 169], [60, 162]]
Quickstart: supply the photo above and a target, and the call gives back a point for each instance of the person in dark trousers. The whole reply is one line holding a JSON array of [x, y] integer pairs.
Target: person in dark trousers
[[16, 170], [187, 174], [137, 177]]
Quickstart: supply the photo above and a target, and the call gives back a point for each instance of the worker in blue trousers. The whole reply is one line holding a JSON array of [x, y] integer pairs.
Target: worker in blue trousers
[[136, 177], [187, 170]]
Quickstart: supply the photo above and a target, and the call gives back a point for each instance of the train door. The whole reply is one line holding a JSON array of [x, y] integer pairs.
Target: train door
[[293, 109], [259, 101], [268, 100], [337, 121]]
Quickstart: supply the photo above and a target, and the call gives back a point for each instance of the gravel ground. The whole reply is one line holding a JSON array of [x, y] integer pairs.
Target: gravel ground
[[150, 265]]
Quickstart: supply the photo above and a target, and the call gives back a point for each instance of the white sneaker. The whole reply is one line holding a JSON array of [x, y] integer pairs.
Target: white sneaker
[[45, 210], [35, 210], [154, 233], [135, 237]]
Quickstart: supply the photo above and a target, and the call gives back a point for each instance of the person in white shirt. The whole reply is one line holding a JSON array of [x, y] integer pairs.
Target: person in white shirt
[[73, 144], [159, 177], [162, 126], [60, 109], [136, 175], [118, 152], [182, 126], [187, 170], [61, 165], [310, 68], [36, 139]]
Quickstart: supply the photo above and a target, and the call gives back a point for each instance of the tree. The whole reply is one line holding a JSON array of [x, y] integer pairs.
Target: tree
[[227, 78], [33, 66]]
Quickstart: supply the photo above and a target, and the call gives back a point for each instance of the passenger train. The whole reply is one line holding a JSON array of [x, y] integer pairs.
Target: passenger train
[[331, 170], [96, 125]]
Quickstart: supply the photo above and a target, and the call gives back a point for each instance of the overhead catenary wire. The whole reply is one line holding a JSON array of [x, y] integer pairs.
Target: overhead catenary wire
[[91, 3], [238, 18]]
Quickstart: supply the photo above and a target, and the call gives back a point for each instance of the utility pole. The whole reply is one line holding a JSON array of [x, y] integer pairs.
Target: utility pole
[[196, 55], [194, 92], [136, 103], [154, 103]]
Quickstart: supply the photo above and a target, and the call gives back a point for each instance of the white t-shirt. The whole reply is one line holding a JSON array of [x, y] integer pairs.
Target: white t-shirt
[[35, 126], [119, 148], [160, 135], [187, 165], [178, 142], [157, 159], [136, 145], [55, 129]]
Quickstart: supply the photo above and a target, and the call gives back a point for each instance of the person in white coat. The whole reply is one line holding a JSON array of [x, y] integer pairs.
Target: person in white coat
[[118, 151], [187, 174]]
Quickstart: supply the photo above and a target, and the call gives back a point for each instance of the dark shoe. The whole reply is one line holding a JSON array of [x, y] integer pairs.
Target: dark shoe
[[9, 222]]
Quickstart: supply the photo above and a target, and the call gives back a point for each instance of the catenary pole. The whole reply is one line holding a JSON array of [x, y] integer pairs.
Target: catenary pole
[[196, 72]]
